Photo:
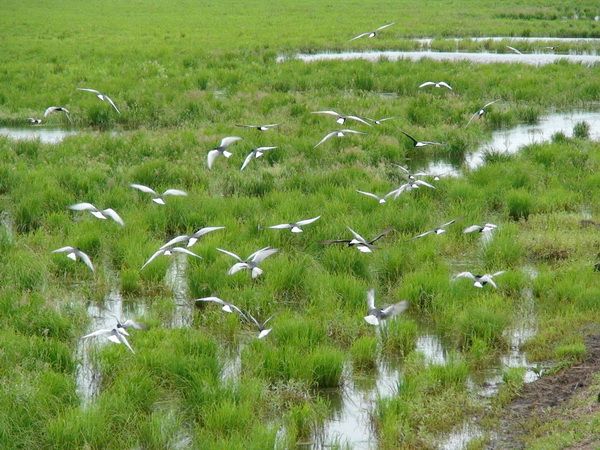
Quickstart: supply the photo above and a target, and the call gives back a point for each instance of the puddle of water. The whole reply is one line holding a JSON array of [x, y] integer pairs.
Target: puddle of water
[[177, 281], [511, 140], [45, 135], [350, 423], [461, 436], [431, 347], [88, 378], [536, 59], [232, 365], [569, 40]]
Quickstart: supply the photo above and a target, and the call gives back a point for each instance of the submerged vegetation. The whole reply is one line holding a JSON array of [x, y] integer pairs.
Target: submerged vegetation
[[180, 89]]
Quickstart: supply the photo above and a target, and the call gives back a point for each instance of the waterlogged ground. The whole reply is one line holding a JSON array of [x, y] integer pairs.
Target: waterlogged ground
[[463, 367]]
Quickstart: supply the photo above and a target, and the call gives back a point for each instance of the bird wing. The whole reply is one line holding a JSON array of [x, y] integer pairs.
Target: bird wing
[[176, 192], [109, 100], [90, 90], [424, 234], [448, 223], [368, 194], [83, 207], [395, 309], [385, 118], [329, 112], [360, 35], [101, 332], [246, 126], [357, 236], [359, 119], [248, 159], [264, 149], [424, 183], [491, 225], [385, 26], [210, 159], [185, 251], [371, 299], [514, 50], [271, 125], [432, 143], [85, 258], [146, 189], [308, 221], [205, 230], [352, 131], [227, 141], [490, 103], [233, 255], [472, 229], [395, 193], [175, 240], [211, 299], [122, 339], [382, 234], [68, 248], [404, 169], [444, 84], [50, 110], [464, 275], [113, 215], [327, 136], [281, 226], [133, 324], [427, 83], [261, 255], [237, 267], [498, 273], [472, 117], [335, 241], [409, 136], [153, 257]]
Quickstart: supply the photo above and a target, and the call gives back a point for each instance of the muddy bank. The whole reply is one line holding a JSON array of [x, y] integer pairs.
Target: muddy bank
[[539, 399]]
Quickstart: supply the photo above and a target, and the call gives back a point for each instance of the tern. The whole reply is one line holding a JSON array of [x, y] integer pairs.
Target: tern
[[101, 96], [372, 34], [74, 253], [487, 228], [418, 144], [514, 50], [251, 263], [190, 239], [337, 133], [262, 331], [122, 326], [358, 241], [221, 149], [380, 121], [410, 175], [381, 200], [341, 118], [34, 120], [255, 153], [115, 335], [437, 84], [156, 197], [169, 251], [53, 109], [260, 127], [480, 112], [439, 230], [98, 213], [225, 306], [294, 227], [480, 280], [376, 315], [406, 187]]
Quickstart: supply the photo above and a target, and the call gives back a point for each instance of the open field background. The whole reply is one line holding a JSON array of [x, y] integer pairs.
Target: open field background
[[183, 75]]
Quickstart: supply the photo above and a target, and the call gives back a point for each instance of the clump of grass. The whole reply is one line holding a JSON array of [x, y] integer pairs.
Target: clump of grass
[[581, 130], [481, 323], [520, 204], [364, 353], [573, 352], [325, 365], [399, 336], [513, 379]]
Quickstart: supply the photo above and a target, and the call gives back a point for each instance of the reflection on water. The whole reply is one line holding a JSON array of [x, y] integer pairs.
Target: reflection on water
[[45, 135], [461, 436], [176, 279], [88, 377], [431, 347], [536, 59]]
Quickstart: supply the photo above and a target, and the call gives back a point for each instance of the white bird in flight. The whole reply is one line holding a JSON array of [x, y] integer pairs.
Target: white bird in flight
[[190, 239], [361, 244], [169, 251], [116, 335], [255, 153], [251, 263], [437, 84], [156, 197], [294, 227], [221, 149], [407, 187], [225, 306], [262, 331], [372, 34], [337, 133], [74, 253], [98, 213], [418, 144], [54, 109], [341, 118], [34, 120], [122, 326], [381, 200], [478, 114], [439, 230], [380, 121], [260, 127], [376, 315], [480, 280], [487, 228], [101, 96]]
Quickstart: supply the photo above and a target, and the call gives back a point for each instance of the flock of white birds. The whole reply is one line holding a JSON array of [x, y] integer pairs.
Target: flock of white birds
[[180, 245]]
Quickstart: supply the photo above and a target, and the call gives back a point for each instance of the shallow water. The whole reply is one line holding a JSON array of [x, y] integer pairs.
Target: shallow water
[[536, 59], [45, 135], [461, 436], [176, 279], [568, 40], [432, 349], [88, 378]]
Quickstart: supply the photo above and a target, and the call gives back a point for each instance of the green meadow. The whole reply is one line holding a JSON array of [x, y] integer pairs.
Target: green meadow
[[183, 75]]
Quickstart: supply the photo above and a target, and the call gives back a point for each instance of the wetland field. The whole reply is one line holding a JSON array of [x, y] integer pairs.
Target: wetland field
[[507, 360]]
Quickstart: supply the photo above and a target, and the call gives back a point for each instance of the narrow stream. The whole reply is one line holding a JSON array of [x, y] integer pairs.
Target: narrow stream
[[45, 135]]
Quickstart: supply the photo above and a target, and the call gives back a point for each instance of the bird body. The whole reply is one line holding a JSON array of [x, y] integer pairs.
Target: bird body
[[251, 263], [375, 315], [479, 113], [487, 228], [260, 127], [221, 149], [437, 84], [98, 213], [116, 335], [372, 34], [74, 253], [34, 120], [361, 244], [439, 230], [101, 96], [254, 154], [380, 200]]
